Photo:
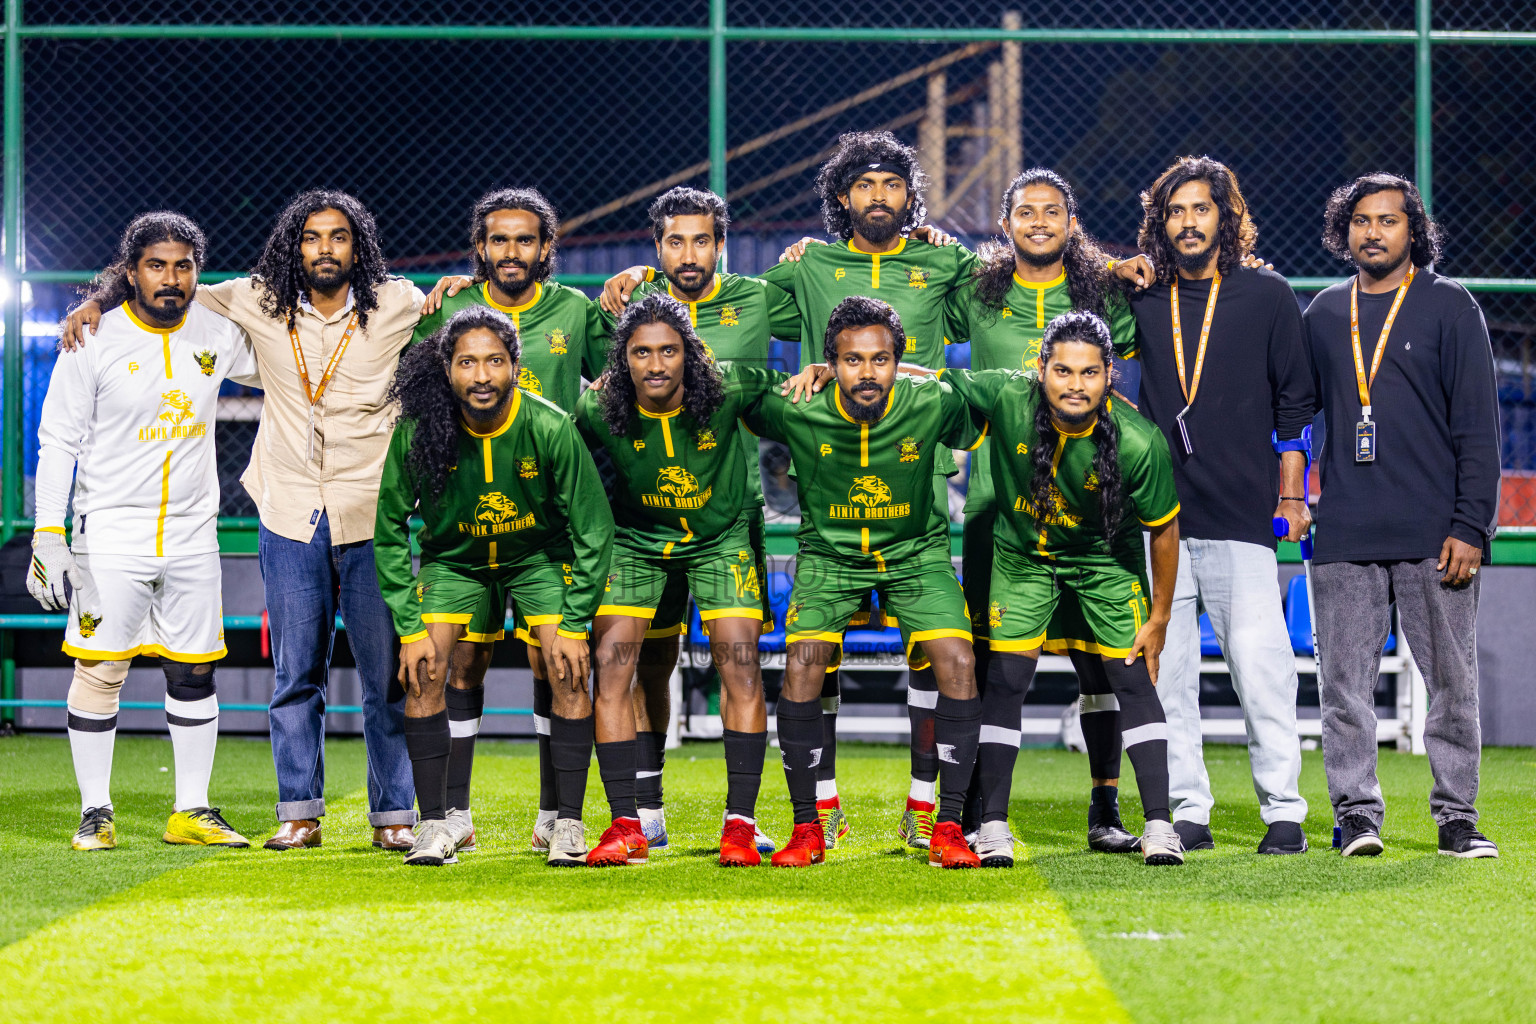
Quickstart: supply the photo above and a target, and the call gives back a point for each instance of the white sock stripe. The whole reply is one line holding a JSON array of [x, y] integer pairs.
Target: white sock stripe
[[1088, 703], [922, 698], [203, 708], [824, 790], [829, 705], [541, 725], [646, 775], [460, 729], [1003, 737], [93, 715], [1144, 734]]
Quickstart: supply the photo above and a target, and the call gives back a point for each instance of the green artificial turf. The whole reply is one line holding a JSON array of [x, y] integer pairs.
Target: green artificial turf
[[347, 933]]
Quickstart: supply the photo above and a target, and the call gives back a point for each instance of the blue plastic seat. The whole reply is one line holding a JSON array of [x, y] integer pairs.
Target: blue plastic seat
[[1209, 648], [1298, 618]]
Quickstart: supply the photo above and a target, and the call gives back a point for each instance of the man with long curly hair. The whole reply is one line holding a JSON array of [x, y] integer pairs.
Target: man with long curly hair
[[1225, 376], [1082, 474], [328, 322], [511, 505], [666, 418], [1407, 514]]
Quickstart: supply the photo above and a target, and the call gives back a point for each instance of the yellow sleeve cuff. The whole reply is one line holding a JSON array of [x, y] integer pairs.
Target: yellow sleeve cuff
[[650, 273], [1164, 519], [414, 637], [571, 634], [49, 529]]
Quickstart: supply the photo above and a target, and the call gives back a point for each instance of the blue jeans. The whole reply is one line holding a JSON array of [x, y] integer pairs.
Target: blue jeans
[[304, 583]]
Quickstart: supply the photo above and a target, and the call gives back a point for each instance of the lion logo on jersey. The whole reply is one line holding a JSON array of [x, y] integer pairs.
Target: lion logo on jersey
[[88, 624], [705, 439], [676, 481], [869, 491], [495, 508], [206, 360], [557, 341], [910, 449], [528, 382], [995, 613], [730, 316], [917, 277], [175, 407], [527, 467]]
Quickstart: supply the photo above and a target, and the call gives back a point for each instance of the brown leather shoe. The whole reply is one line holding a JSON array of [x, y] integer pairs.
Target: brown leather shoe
[[393, 837], [295, 835]]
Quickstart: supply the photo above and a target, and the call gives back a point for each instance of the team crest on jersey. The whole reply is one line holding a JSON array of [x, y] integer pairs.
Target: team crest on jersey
[[175, 407], [917, 277], [421, 592], [88, 624], [1091, 481], [730, 316], [527, 467], [910, 449], [528, 382], [870, 498], [995, 613], [608, 583], [557, 341], [206, 360], [792, 615], [705, 439]]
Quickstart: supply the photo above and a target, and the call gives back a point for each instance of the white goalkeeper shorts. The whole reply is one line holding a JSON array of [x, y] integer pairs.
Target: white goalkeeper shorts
[[168, 607]]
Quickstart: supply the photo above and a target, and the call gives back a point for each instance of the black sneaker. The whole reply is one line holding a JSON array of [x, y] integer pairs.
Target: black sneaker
[[1460, 838], [1284, 837], [1194, 835], [1111, 836], [1359, 837]]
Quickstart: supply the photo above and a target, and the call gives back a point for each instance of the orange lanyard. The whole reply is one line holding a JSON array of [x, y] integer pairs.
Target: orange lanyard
[[1362, 383], [1193, 387], [311, 392]]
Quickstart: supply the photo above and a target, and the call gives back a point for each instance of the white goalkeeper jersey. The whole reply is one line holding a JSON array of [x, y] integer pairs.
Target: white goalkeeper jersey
[[131, 415]]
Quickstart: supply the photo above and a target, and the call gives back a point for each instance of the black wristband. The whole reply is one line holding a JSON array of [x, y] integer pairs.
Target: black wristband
[[1287, 497]]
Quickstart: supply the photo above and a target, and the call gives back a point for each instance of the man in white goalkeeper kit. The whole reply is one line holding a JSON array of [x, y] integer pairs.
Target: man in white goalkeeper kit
[[130, 419]]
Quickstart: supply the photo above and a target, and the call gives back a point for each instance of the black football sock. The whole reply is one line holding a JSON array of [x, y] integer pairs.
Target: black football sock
[[543, 698], [427, 743], [1104, 806], [956, 730], [831, 700], [1002, 703], [570, 752], [1099, 715], [922, 695], [650, 762], [1144, 734], [800, 741], [616, 765], [465, 708], [744, 753]]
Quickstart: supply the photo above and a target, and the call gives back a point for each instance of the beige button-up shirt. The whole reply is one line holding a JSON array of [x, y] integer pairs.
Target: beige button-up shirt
[[291, 479]]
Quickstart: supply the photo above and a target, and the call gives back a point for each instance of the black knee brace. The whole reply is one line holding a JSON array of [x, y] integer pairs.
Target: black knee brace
[[184, 682]]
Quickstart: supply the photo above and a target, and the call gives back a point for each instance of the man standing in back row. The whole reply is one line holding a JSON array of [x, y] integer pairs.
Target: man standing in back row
[[1410, 493], [1225, 376]]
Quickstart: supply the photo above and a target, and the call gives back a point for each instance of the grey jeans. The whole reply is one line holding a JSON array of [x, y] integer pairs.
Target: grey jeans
[[1440, 623]]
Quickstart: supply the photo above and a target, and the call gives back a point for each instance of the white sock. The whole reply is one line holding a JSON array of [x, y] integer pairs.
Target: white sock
[[92, 750], [923, 791], [826, 790], [194, 726], [653, 814], [741, 817], [545, 817]]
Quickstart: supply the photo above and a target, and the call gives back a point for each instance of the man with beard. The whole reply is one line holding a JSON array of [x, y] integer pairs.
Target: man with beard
[[327, 322], [1409, 503], [735, 317], [665, 417], [1084, 473], [144, 579], [865, 454], [511, 505], [1225, 376]]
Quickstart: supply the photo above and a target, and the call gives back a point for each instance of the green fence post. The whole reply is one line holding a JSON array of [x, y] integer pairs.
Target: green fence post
[[1423, 106], [10, 456], [717, 176]]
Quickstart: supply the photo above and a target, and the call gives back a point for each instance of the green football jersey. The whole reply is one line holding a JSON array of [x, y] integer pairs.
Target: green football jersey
[[562, 333], [679, 483], [866, 488], [735, 319], [528, 489], [1009, 339], [915, 279], [1072, 532]]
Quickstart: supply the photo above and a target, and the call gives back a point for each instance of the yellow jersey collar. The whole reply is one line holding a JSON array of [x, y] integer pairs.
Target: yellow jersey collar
[[538, 293], [1060, 278], [141, 325], [517, 401], [837, 399], [657, 415], [894, 252]]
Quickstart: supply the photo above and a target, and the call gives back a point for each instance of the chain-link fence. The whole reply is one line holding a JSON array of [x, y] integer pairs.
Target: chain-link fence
[[224, 110]]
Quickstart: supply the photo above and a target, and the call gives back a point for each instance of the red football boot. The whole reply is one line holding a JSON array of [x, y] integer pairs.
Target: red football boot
[[738, 845], [805, 847], [623, 843], [948, 849]]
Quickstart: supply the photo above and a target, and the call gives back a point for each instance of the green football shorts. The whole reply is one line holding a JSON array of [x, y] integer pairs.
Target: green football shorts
[[921, 593], [1097, 609], [723, 576], [472, 598]]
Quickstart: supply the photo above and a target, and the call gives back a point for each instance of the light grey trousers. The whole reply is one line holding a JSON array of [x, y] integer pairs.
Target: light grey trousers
[[1440, 623]]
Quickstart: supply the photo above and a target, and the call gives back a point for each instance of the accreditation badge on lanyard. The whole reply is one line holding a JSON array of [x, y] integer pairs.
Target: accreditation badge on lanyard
[[1191, 388], [314, 392], [1365, 430]]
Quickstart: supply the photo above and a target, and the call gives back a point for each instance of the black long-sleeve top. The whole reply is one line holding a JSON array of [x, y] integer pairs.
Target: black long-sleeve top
[[1256, 379], [1435, 403]]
